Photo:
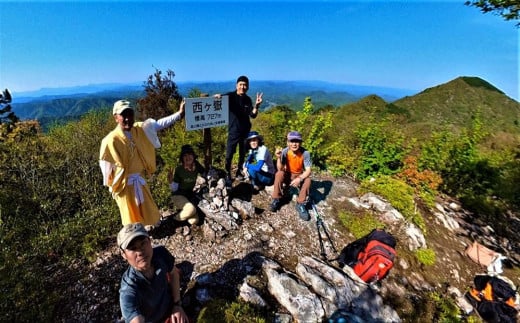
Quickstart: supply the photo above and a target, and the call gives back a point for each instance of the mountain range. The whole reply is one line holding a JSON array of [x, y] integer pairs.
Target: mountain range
[[75, 101], [451, 103]]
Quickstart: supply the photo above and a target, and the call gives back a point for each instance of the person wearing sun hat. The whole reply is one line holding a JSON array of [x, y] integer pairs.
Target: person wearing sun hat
[[127, 158], [259, 166], [294, 169], [150, 287], [241, 109], [182, 182]]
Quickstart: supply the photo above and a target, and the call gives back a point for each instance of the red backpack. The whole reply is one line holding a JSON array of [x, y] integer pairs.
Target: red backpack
[[371, 256], [375, 261]]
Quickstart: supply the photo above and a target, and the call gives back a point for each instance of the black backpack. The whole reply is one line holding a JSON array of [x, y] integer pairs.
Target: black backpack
[[494, 299]]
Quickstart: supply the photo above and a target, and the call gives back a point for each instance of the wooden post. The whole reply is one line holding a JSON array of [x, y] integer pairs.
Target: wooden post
[[206, 134]]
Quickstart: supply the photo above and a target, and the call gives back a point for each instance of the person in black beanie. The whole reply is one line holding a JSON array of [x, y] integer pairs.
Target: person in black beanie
[[241, 109]]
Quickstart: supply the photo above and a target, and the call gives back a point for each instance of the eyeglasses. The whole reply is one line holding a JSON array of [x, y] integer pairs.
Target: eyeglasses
[[294, 141]]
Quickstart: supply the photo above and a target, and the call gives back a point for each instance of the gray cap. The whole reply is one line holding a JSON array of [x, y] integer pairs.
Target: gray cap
[[294, 135], [129, 232]]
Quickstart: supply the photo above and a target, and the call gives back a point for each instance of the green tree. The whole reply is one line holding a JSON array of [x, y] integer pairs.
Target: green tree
[[456, 158], [272, 124], [7, 117], [313, 127], [161, 96], [507, 9], [508, 189], [382, 149]]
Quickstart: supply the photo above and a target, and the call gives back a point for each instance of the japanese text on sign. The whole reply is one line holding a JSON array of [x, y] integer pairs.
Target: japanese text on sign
[[206, 112]]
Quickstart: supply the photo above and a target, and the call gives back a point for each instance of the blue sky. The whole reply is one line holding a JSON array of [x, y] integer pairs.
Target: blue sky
[[402, 44]]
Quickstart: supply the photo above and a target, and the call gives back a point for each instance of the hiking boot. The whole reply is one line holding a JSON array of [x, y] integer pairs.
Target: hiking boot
[[302, 212], [229, 181], [240, 176], [275, 204]]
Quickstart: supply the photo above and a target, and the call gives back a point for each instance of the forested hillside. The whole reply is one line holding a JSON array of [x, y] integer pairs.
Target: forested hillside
[[51, 108], [460, 138]]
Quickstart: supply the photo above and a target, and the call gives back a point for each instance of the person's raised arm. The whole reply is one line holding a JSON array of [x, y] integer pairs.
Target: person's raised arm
[[171, 119], [259, 101], [278, 154]]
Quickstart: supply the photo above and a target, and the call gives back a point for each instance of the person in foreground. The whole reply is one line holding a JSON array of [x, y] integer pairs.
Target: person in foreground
[[259, 166], [241, 108], [294, 169], [182, 183], [150, 287], [127, 158]]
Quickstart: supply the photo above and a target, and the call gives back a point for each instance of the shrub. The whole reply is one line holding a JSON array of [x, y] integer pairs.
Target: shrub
[[381, 150], [341, 158], [54, 209], [446, 310], [425, 182], [313, 135], [425, 256], [399, 194]]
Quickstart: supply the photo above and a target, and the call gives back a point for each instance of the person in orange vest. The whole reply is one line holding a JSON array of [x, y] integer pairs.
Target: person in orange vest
[[294, 170]]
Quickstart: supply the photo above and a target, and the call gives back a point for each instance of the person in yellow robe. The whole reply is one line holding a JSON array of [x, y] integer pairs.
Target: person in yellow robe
[[127, 158]]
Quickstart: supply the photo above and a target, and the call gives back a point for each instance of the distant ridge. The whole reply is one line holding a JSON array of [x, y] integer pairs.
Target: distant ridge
[[75, 101], [453, 103]]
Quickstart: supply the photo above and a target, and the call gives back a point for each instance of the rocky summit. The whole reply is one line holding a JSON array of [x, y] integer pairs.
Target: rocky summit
[[277, 261]]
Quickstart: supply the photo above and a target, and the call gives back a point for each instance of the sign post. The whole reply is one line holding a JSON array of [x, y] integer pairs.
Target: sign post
[[206, 113]]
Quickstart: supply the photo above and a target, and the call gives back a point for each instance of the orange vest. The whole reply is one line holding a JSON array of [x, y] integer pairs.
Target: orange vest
[[294, 163]]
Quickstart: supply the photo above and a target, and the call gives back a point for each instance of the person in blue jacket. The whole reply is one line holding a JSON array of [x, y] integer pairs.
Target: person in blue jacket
[[259, 166]]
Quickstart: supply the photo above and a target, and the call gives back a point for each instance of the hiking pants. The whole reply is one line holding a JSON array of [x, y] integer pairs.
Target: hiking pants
[[281, 177], [233, 141]]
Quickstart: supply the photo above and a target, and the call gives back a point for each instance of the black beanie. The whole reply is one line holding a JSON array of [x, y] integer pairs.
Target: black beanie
[[243, 78]]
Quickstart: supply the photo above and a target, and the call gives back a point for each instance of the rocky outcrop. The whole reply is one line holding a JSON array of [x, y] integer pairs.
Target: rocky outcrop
[[315, 291], [273, 260]]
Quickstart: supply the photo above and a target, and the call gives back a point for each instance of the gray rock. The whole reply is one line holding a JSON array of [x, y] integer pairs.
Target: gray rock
[[251, 295], [303, 304]]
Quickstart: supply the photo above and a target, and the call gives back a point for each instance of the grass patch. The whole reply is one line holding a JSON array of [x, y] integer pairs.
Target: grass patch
[[426, 256], [220, 310], [359, 225]]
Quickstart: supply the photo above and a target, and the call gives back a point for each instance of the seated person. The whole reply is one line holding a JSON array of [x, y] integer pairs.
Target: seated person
[[182, 184], [150, 287], [259, 162], [294, 169]]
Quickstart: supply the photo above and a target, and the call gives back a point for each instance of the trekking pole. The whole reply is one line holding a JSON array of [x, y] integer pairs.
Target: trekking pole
[[320, 225]]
